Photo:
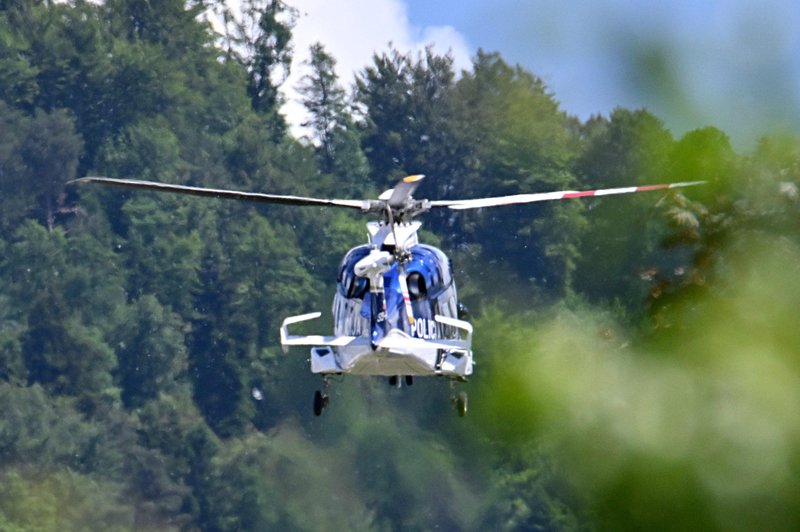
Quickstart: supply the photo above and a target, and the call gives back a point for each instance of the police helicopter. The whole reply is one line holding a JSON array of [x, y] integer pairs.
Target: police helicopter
[[396, 312]]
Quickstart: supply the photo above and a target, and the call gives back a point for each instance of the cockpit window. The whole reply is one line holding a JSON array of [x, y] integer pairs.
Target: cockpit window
[[356, 287], [429, 273], [417, 289], [350, 285]]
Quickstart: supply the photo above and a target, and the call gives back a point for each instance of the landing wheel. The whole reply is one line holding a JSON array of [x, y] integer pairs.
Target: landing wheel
[[320, 402], [409, 380], [461, 404], [458, 401], [394, 381]]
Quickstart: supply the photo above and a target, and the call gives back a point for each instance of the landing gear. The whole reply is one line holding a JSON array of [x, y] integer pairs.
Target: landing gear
[[320, 402], [459, 401], [461, 404], [321, 397]]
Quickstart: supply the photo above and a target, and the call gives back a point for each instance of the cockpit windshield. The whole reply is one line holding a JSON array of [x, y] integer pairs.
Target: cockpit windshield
[[349, 285], [430, 288]]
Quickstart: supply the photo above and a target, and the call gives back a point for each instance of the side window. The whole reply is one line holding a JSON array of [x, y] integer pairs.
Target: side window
[[350, 285], [356, 286], [417, 288]]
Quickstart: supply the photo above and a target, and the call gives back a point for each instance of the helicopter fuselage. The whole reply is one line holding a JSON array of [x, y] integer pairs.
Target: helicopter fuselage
[[382, 327], [358, 311]]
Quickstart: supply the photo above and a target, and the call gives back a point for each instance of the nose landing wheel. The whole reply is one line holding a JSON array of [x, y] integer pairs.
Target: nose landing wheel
[[461, 404], [320, 402], [459, 401], [321, 397]]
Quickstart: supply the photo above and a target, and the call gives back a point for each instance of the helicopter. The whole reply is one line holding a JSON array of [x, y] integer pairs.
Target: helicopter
[[396, 310]]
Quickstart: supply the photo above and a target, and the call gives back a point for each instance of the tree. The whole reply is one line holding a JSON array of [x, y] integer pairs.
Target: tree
[[407, 126], [13, 206], [147, 149], [65, 46], [705, 154], [163, 263], [171, 25], [66, 354], [744, 203], [67, 357], [621, 260], [152, 353], [261, 41], [18, 85], [61, 500], [12, 364], [325, 100], [271, 54], [246, 293], [519, 141], [331, 122], [628, 148], [50, 149], [34, 263], [260, 483]]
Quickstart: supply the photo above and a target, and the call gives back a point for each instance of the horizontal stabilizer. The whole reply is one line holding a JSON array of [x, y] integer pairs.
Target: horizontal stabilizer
[[288, 340]]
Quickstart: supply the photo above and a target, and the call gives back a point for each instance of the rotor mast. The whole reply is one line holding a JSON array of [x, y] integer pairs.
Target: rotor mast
[[397, 205]]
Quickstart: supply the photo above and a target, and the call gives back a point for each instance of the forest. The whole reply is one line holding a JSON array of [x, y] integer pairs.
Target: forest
[[637, 357]]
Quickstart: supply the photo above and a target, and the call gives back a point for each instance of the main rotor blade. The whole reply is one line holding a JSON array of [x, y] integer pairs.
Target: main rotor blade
[[221, 193], [550, 196], [404, 189]]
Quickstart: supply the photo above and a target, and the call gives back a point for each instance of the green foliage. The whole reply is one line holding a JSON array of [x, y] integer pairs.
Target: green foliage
[[520, 142], [265, 265], [93, 280], [171, 25], [34, 264], [692, 427], [144, 150], [151, 350], [62, 501], [530, 493], [65, 356], [13, 207], [283, 481], [521, 132], [630, 147], [248, 156], [12, 364], [67, 49], [703, 153], [248, 291], [409, 485], [264, 33], [41, 430], [162, 264], [406, 129], [618, 258], [332, 124], [18, 84], [40, 155]]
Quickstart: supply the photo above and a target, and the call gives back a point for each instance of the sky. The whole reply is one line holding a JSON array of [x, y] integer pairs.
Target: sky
[[733, 64]]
